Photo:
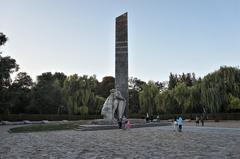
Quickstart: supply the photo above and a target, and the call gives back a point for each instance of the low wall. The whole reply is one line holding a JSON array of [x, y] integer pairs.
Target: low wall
[[50, 117], [220, 116]]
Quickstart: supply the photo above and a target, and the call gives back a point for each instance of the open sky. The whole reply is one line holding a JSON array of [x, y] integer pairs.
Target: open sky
[[78, 36]]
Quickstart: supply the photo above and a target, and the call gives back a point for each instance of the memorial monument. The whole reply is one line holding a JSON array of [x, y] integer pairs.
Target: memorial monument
[[115, 107], [121, 57], [118, 98]]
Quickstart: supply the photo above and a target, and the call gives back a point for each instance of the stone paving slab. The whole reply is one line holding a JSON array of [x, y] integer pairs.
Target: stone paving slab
[[142, 143]]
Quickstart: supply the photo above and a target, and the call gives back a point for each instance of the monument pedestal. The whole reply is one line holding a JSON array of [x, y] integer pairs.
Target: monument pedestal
[[100, 124]]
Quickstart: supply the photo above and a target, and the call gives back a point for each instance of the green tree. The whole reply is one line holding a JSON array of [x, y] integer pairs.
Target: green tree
[[194, 101], [22, 80], [136, 84], [147, 98], [86, 94], [79, 94], [99, 101], [8, 65], [181, 94], [234, 104], [217, 87], [167, 103], [20, 92], [71, 94], [173, 80], [160, 107], [3, 39], [104, 87], [46, 95]]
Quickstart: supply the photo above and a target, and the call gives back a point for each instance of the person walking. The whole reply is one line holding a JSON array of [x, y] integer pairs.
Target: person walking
[[120, 123], [147, 118], [202, 120], [124, 122], [197, 121], [174, 123]]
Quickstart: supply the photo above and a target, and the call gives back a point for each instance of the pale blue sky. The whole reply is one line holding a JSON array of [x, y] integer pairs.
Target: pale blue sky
[[77, 36]]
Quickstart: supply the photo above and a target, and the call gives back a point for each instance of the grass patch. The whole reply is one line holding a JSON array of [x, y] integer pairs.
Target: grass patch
[[45, 127]]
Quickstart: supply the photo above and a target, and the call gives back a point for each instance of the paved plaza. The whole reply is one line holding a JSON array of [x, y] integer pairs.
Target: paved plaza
[[152, 142]]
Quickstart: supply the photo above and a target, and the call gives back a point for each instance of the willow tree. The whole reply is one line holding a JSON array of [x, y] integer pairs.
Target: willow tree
[[86, 94], [194, 100], [217, 87], [147, 98], [79, 93], [182, 94], [160, 103], [234, 103], [71, 93]]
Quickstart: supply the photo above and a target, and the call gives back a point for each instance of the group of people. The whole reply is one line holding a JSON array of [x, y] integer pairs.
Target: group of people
[[199, 119], [178, 123], [151, 118]]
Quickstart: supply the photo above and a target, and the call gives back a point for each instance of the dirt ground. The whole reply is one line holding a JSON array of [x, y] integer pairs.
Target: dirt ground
[[214, 140]]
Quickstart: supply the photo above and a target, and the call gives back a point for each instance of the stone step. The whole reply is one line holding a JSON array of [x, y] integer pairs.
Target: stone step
[[111, 127]]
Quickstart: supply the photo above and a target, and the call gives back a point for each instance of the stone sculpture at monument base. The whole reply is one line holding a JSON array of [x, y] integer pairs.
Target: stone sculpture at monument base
[[114, 102]]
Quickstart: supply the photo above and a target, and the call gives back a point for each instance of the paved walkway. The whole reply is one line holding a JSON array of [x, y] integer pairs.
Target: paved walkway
[[156, 142]]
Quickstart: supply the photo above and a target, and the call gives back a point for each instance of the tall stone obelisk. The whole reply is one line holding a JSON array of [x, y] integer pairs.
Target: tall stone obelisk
[[121, 57]]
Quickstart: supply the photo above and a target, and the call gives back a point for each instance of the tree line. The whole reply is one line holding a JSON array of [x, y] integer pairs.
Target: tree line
[[56, 93], [217, 92]]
